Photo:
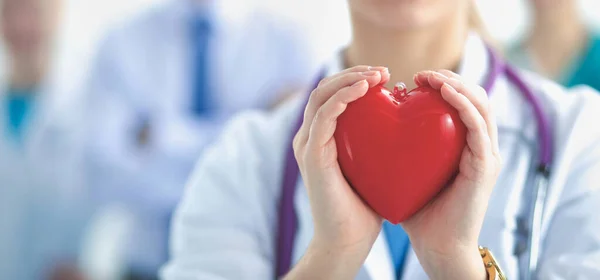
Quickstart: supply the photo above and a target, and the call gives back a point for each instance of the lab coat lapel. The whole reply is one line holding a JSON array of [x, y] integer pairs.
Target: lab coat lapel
[[5, 145], [412, 267], [45, 112], [378, 263], [3, 108]]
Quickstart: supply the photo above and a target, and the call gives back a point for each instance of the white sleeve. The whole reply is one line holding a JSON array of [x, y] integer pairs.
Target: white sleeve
[[225, 225], [572, 244]]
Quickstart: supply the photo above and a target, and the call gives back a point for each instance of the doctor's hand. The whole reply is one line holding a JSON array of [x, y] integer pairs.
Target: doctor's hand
[[445, 233], [345, 228]]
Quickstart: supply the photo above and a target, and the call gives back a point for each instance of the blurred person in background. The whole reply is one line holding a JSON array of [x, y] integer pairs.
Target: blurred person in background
[[40, 223], [560, 45], [161, 87]]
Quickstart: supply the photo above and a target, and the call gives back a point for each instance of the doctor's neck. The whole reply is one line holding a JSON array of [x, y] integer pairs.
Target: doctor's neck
[[26, 73], [557, 36], [408, 50], [555, 19]]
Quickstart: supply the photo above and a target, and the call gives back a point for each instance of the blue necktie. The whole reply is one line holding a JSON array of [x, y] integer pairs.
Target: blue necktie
[[200, 39], [398, 244]]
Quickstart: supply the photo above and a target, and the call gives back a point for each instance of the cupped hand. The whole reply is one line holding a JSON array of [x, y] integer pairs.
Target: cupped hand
[[445, 233], [341, 219]]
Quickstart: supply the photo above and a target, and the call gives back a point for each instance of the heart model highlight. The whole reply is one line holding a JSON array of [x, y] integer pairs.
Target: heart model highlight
[[398, 150]]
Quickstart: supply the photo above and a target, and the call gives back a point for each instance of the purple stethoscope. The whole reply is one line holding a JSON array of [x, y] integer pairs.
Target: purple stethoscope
[[287, 227]]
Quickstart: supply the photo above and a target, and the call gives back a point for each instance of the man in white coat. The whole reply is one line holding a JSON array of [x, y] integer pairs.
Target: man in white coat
[[162, 86], [40, 216]]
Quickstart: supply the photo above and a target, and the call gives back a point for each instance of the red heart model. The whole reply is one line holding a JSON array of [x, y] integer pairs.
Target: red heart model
[[398, 150]]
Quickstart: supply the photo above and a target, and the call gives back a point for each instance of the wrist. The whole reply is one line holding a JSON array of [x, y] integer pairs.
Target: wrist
[[345, 242], [343, 251], [461, 264], [326, 260]]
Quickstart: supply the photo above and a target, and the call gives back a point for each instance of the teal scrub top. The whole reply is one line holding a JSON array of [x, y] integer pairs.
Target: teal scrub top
[[19, 104], [584, 70]]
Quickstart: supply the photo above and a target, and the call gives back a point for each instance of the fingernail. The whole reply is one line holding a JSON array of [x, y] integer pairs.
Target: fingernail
[[439, 75], [359, 83], [369, 73], [448, 86]]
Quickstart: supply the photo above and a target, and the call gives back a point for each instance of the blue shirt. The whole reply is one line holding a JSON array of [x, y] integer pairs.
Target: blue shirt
[[398, 244], [19, 103]]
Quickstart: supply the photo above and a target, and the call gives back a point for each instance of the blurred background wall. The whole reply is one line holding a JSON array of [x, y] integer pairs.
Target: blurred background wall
[[325, 20]]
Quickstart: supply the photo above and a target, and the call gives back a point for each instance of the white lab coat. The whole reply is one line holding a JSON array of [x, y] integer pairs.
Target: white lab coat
[[40, 190], [143, 75], [225, 227]]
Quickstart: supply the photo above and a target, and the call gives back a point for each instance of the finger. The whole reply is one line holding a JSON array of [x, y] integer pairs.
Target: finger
[[478, 96], [318, 97], [321, 94], [477, 137], [421, 78], [385, 76], [489, 116], [493, 130], [473, 92], [449, 74], [324, 124], [358, 69]]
